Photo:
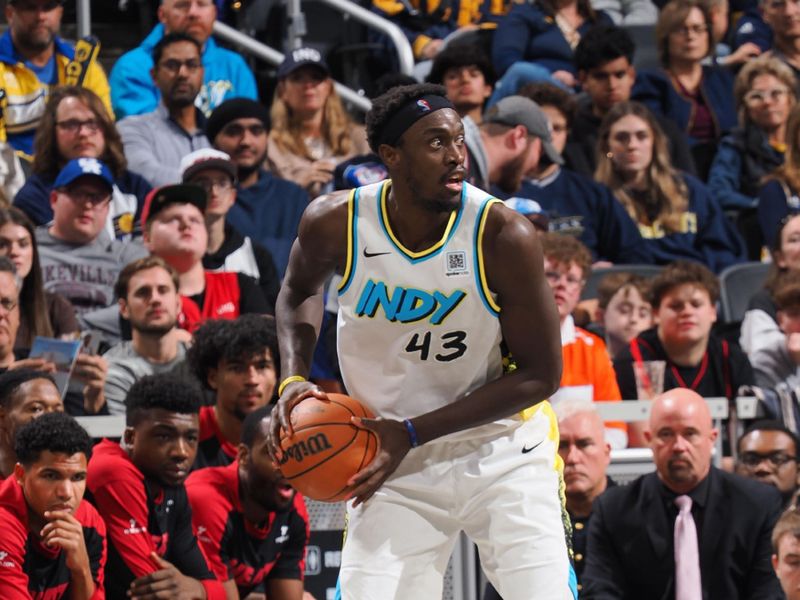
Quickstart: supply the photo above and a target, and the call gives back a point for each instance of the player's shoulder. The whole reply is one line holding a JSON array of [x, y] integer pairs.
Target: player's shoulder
[[87, 516], [506, 223], [109, 463]]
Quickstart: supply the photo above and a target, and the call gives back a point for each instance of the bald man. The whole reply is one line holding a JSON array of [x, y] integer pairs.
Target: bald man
[[633, 538]]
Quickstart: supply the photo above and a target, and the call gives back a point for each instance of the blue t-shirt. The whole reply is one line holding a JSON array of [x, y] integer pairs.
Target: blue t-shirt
[[46, 74]]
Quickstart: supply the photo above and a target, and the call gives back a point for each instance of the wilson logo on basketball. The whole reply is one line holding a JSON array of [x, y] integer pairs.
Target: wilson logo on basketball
[[309, 447]]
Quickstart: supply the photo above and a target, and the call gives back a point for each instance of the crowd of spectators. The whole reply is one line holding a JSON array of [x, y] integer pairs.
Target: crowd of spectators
[[155, 211]]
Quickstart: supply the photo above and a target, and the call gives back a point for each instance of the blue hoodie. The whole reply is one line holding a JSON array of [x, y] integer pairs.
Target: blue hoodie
[[134, 93]]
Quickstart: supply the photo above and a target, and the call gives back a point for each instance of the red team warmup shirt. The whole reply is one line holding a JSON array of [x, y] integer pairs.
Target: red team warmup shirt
[[30, 570], [237, 549], [140, 521], [213, 450], [220, 301]]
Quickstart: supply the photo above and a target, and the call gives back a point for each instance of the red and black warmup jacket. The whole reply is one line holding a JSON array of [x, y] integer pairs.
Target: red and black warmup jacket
[[237, 549], [213, 450], [140, 522], [30, 570], [226, 296]]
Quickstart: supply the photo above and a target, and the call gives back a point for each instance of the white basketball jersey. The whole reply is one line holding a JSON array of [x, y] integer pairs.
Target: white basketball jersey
[[416, 330]]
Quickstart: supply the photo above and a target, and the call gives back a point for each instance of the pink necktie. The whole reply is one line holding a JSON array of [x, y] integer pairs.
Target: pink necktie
[[687, 557]]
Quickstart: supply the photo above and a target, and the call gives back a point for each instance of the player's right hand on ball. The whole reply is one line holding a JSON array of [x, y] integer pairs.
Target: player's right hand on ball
[[294, 393]]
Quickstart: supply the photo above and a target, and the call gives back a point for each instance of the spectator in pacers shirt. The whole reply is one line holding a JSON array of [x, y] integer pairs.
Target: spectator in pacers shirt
[[52, 542], [137, 486], [228, 250], [252, 525], [174, 228], [238, 361]]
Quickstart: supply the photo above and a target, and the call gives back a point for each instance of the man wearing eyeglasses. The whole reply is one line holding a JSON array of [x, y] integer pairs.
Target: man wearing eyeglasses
[[767, 452], [226, 73], [587, 374], [228, 250], [267, 208], [78, 258], [32, 60], [155, 142]]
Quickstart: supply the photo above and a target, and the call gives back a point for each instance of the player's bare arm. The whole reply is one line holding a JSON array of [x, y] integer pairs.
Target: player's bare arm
[[167, 582], [530, 326], [320, 248]]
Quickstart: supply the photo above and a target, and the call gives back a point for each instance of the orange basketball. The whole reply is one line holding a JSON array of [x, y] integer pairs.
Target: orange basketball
[[326, 450]]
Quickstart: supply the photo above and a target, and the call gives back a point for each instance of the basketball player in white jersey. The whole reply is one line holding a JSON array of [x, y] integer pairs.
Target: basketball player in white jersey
[[435, 273]]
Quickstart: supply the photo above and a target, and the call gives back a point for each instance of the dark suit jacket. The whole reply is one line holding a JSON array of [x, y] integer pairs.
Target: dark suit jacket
[[630, 553]]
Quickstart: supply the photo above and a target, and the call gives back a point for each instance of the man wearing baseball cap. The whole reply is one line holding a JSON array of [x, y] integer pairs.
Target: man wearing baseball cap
[[514, 134], [228, 250], [78, 257], [267, 208], [173, 225], [32, 59]]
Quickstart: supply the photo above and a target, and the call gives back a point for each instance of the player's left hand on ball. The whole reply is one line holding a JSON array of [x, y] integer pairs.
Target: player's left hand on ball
[[393, 445]]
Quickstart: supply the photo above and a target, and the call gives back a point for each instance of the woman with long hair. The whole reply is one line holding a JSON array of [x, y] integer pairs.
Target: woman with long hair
[[780, 194], [676, 215], [536, 41], [76, 124], [697, 96], [41, 313], [311, 132]]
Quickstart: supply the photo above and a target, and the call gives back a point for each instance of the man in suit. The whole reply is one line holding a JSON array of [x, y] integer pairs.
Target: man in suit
[[689, 530]]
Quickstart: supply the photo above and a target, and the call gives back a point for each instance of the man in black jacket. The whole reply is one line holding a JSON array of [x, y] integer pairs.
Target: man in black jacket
[[716, 546]]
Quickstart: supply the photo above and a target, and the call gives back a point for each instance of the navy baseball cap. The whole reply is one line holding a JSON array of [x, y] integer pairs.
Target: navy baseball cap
[[84, 167], [301, 58]]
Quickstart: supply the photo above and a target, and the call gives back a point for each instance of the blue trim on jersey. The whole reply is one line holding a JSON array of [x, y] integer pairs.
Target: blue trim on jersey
[[354, 249], [573, 582], [475, 238], [402, 252]]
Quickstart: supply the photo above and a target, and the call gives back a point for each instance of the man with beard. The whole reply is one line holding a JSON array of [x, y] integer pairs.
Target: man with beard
[[688, 530], [32, 60], [237, 361], [435, 274], [251, 524], [513, 136], [156, 142], [147, 292], [226, 72], [137, 487], [267, 208], [767, 452]]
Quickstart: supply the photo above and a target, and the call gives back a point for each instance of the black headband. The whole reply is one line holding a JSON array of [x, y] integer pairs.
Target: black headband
[[409, 114]]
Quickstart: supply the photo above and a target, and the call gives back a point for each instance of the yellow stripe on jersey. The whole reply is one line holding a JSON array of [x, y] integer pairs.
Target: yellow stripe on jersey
[[403, 249], [351, 226], [479, 248]]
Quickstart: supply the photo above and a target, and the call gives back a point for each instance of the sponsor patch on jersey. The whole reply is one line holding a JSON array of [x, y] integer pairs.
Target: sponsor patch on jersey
[[456, 263]]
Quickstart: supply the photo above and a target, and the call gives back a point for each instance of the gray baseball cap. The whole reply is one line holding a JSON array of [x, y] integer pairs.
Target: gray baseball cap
[[518, 110]]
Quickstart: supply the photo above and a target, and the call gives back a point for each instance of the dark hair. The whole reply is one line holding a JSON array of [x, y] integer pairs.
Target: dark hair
[[56, 432], [565, 250], [32, 302], [46, 159], [584, 9], [386, 105], [602, 44], [461, 55], [681, 272], [142, 264], [165, 391], [548, 94], [12, 380], [769, 425], [251, 426], [220, 340], [173, 38]]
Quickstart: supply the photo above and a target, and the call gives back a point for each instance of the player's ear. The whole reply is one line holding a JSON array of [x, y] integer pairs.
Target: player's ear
[[123, 308], [243, 455], [19, 473], [128, 436], [211, 378], [389, 155]]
